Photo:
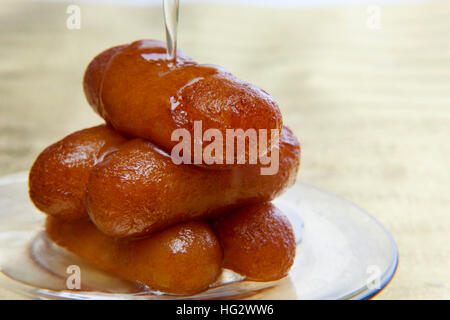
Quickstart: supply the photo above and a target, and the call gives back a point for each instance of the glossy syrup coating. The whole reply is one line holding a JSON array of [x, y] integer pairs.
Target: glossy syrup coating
[[183, 259], [258, 242], [142, 94], [94, 73], [59, 175], [138, 190]]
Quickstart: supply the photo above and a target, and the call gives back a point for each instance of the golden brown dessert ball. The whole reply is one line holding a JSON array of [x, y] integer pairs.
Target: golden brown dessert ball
[[138, 190], [93, 76], [59, 175], [183, 259], [142, 94], [258, 242]]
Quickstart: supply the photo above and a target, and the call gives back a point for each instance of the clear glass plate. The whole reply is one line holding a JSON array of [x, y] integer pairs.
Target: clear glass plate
[[344, 253]]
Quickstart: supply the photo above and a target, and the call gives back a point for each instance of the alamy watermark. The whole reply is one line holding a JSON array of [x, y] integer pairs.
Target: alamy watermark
[[211, 147], [374, 273], [73, 21], [373, 20], [73, 281]]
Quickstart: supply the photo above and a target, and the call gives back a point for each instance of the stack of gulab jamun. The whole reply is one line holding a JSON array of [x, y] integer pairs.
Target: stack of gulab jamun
[[115, 195]]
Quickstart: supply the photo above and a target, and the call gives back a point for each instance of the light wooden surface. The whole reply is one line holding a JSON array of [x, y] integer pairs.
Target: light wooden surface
[[371, 107]]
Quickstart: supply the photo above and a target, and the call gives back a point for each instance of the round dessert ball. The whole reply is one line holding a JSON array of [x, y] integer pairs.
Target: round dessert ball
[[59, 175], [258, 242]]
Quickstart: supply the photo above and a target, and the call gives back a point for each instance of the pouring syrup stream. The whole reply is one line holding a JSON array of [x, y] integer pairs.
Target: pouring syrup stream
[[170, 8]]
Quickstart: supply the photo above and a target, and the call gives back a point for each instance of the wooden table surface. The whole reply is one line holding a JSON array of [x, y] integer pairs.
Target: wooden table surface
[[370, 106]]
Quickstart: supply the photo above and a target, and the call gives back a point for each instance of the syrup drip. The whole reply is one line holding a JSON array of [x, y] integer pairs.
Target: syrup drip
[[170, 8]]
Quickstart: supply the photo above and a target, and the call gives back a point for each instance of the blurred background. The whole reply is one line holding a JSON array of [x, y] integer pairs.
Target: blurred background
[[365, 85]]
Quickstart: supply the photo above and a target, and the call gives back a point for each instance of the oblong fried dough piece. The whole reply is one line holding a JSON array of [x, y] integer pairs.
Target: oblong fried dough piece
[[138, 190], [93, 76], [183, 259], [59, 175], [142, 94], [258, 242]]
